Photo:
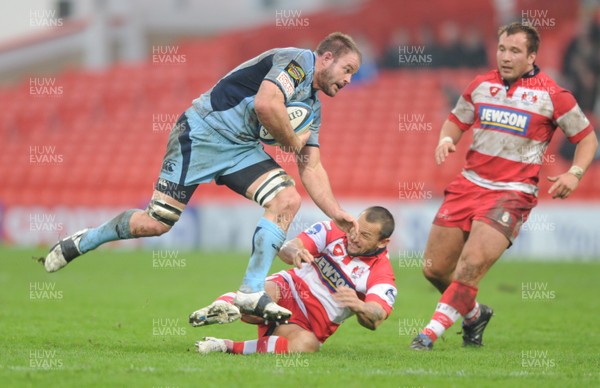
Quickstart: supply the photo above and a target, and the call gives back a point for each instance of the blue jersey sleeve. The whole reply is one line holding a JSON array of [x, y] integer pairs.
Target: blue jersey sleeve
[[292, 69]]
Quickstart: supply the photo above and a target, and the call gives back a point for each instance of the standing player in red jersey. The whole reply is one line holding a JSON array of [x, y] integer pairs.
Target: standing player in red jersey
[[513, 112], [338, 275]]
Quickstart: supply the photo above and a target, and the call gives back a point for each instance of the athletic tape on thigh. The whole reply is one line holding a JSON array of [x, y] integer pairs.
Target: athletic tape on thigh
[[276, 181], [162, 212]]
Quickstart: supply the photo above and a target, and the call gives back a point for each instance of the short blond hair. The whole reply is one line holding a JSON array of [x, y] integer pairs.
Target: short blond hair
[[338, 44]]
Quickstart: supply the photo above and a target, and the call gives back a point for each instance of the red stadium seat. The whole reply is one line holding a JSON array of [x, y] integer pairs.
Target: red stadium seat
[[112, 155]]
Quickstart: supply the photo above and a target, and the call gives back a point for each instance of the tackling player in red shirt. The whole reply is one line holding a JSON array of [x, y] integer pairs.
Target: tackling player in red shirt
[[338, 276], [513, 112]]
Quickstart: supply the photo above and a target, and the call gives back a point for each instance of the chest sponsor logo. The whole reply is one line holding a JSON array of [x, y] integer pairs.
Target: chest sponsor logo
[[507, 120], [331, 276]]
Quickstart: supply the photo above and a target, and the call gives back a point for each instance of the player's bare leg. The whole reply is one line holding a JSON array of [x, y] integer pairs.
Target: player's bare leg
[[288, 338], [157, 219], [443, 249], [478, 257], [483, 248], [442, 252], [274, 191], [285, 339], [299, 339]]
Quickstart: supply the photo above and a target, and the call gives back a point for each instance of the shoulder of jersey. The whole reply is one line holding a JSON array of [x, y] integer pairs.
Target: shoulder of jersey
[[297, 50], [492, 75], [551, 85], [334, 231]]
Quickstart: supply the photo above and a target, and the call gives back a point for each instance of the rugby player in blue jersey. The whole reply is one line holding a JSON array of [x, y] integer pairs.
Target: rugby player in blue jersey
[[217, 138]]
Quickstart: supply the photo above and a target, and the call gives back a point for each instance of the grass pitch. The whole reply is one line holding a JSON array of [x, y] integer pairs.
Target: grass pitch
[[120, 319]]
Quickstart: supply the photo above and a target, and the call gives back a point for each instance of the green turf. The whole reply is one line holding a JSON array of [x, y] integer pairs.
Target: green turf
[[120, 319]]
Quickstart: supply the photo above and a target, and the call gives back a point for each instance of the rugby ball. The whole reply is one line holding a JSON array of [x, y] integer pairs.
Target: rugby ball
[[301, 117]]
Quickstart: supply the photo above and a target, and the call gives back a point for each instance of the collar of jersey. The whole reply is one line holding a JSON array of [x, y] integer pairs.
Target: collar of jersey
[[372, 253], [530, 74], [313, 91], [535, 71]]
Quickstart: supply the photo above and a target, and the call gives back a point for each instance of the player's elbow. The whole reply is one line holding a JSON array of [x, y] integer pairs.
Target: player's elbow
[[370, 324], [262, 107], [590, 142], [593, 141], [376, 324]]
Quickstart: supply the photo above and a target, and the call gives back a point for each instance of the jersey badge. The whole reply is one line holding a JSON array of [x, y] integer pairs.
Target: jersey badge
[[391, 295], [529, 98], [338, 250], [296, 72], [494, 90], [286, 83], [357, 272], [316, 228]]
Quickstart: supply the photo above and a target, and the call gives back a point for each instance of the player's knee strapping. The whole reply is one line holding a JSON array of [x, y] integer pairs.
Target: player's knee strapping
[[276, 181], [163, 212]]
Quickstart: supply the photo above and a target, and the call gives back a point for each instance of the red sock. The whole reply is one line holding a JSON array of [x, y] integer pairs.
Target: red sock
[[473, 315], [457, 300], [270, 344], [228, 297]]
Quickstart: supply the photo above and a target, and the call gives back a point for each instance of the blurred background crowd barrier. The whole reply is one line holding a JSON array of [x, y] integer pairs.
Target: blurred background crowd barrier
[[90, 90]]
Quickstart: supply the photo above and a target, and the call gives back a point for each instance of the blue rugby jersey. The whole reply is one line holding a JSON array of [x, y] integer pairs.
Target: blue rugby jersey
[[229, 106]]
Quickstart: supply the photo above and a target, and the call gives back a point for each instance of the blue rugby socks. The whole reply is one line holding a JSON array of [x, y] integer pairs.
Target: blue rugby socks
[[268, 239], [115, 229]]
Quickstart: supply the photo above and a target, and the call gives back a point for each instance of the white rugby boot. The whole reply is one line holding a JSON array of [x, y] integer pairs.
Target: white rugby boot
[[259, 304], [218, 311], [63, 252], [211, 345]]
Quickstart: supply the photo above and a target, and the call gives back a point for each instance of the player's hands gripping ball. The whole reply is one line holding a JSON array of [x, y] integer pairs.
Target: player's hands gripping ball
[[301, 117]]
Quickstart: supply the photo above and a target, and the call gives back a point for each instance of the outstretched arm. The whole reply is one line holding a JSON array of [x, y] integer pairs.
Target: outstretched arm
[[449, 136], [315, 180], [567, 182], [269, 106], [293, 252]]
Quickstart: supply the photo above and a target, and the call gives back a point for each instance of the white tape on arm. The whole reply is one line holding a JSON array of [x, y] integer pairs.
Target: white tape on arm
[[577, 171], [446, 139]]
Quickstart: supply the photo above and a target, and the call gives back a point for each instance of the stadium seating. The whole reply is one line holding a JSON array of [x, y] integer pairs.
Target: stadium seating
[[106, 150]]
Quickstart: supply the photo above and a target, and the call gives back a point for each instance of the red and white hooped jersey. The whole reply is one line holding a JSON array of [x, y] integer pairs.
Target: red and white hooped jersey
[[372, 277], [512, 127]]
